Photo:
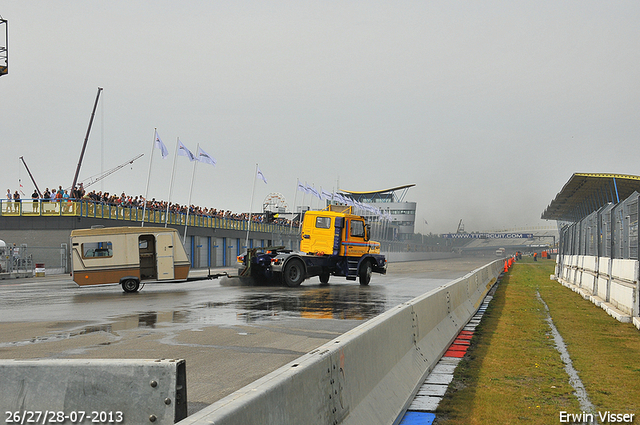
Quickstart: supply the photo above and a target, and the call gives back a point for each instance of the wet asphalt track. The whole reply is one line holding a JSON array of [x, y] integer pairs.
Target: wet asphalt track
[[230, 332]]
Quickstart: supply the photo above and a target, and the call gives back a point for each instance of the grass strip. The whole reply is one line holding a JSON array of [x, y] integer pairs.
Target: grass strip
[[513, 374], [605, 352]]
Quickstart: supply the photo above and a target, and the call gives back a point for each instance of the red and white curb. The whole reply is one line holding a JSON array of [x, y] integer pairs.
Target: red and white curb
[[435, 386]]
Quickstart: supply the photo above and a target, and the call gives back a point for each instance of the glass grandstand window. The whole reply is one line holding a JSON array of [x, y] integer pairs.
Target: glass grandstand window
[[97, 249]]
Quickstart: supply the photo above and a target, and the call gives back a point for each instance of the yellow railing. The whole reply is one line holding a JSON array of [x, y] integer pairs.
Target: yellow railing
[[28, 208]]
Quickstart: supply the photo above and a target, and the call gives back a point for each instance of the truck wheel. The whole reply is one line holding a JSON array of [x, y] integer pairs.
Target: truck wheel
[[324, 277], [130, 285], [293, 273], [365, 273]]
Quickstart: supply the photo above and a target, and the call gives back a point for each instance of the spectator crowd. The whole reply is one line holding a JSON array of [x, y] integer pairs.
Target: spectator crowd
[[123, 200]]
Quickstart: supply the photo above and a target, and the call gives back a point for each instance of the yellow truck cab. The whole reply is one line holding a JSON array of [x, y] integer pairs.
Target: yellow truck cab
[[334, 242], [336, 233]]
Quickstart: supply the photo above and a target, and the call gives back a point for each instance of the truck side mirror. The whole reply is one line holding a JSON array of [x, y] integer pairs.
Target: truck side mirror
[[367, 230]]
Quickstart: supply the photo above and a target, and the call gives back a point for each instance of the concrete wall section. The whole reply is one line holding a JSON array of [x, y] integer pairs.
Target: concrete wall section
[[589, 273], [120, 391], [611, 284], [366, 376], [603, 280]]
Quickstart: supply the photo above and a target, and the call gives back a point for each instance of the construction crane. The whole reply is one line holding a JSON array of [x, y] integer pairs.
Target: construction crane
[[90, 180], [460, 227], [97, 177]]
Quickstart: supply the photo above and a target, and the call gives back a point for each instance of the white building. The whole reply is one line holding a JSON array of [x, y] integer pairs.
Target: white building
[[390, 201]]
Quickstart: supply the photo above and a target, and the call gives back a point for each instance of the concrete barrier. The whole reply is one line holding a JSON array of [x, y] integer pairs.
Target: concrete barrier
[[93, 391], [589, 274], [624, 286], [611, 284], [370, 374]]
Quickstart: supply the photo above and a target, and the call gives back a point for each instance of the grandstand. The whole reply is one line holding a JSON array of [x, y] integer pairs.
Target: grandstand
[[391, 201]]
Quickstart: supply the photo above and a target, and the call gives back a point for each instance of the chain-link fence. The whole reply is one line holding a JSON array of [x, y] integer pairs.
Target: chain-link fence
[[15, 261], [24, 260], [611, 231]]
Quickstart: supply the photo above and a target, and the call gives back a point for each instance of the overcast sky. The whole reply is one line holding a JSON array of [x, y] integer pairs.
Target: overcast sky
[[487, 107]]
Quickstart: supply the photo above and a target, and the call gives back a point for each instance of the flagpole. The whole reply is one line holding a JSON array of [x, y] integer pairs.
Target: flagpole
[[303, 200], [312, 196], [146, 191], [255, 175], [193, 174], [175, 157], [295, 196]]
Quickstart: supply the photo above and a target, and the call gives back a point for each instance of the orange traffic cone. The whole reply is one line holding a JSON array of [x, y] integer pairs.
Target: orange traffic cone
[[506, 267]]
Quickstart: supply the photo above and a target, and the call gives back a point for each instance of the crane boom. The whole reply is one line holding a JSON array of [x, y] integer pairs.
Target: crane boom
[[30, 175], [86, 138], [96, 178]]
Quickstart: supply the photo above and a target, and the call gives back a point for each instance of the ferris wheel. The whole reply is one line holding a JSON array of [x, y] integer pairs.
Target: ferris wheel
[[275, 202]]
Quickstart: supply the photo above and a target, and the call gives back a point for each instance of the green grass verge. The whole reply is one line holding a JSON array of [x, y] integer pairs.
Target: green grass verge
[[513, 373]]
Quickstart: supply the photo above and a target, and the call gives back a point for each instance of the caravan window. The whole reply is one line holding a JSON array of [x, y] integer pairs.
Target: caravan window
[[97, 249]]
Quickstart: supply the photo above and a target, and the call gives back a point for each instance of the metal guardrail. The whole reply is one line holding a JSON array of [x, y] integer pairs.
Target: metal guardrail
[[90, 209]]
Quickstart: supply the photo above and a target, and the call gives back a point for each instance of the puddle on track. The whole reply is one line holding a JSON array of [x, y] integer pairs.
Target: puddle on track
[[344, 302]]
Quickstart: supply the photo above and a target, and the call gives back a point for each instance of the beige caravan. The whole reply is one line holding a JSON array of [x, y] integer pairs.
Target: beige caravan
[[127, 256]]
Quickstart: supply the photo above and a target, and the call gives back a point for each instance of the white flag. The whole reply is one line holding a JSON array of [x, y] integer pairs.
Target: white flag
[[302, 187], [161, 146], [262, 177], [205, 157], [313, 191], [325, 195], [182, 150]]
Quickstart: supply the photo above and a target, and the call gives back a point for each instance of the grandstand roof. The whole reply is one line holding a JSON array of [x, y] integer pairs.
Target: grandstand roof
[[378, 191], [587, 192], [395, 194]]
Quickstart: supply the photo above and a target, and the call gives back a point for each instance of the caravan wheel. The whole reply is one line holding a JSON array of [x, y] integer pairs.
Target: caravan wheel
[[130, 285]]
